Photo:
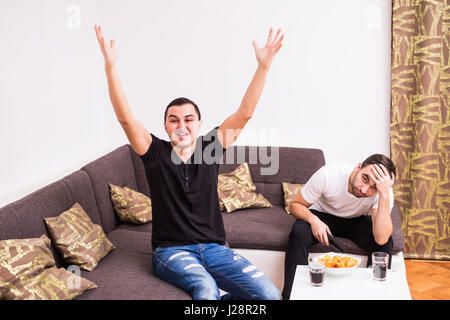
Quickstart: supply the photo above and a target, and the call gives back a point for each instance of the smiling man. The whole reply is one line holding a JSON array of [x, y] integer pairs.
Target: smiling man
[[344, 201], [188, 236]]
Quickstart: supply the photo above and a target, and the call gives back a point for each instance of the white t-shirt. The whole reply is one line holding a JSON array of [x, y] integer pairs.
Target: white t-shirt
[[327, 191]]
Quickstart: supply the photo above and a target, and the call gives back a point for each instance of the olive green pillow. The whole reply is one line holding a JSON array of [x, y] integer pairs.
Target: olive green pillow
[[237, 191], [131, 206], [290, 191], [27, 271], [80, 241]]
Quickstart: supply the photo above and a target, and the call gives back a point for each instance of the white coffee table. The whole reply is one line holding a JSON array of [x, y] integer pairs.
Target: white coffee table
[[356, 285]]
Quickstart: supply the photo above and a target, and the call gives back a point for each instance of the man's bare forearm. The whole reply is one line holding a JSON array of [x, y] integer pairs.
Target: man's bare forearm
[[299, 211], [318, 228], [382, 222], [381, 217], [253, 93], [117, 95]]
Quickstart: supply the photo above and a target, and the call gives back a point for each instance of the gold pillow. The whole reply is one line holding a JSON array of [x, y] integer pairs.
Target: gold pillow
[[237, 191], [79, 240], [290, 191], [27, 271], [131, 206], [23, 258]]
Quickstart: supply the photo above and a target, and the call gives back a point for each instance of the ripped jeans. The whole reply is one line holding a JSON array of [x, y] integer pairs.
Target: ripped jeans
[[201, 269]]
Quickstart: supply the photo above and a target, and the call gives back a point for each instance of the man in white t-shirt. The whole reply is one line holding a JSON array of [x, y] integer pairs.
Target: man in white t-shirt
[[344, 201]]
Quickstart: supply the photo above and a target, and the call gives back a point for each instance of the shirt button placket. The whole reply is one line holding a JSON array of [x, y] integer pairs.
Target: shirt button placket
[[186, 178]]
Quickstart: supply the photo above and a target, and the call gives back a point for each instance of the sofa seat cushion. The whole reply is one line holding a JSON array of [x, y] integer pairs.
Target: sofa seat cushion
[[126, 273], [258, 228]]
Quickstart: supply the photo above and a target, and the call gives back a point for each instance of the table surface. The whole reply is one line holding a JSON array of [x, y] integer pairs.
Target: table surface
[[355, 285]]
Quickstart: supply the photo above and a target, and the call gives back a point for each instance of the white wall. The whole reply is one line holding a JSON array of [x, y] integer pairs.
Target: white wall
[[329, 86]]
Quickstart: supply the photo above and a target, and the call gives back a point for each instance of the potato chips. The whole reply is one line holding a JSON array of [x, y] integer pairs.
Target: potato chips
[[337, 261]]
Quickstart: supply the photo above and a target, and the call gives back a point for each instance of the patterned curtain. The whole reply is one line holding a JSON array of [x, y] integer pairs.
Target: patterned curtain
[[420, 124]]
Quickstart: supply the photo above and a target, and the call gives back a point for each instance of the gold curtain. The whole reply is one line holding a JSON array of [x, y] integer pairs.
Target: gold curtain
[[420, 124]]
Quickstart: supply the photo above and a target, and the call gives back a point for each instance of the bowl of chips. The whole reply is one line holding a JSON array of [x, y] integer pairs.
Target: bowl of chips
[[337, 263]]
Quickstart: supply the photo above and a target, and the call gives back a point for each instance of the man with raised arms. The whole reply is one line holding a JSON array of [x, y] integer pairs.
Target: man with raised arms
[[188, 236]]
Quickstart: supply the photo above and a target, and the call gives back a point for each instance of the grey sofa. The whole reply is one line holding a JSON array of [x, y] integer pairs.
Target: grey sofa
[[126, 272]]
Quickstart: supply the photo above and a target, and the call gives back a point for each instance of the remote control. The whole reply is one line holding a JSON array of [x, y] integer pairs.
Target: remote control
[[332, 241]]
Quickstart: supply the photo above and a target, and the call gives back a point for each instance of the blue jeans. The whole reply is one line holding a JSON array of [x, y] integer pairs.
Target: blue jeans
[[201, 269]]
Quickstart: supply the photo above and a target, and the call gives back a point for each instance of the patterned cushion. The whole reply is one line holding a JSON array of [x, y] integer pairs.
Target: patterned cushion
[[79, 240], [27, 271], [290, 191], [131, 206], [237, 191]]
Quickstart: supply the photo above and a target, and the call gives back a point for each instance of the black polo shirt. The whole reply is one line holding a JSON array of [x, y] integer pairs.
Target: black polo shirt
[[185, 203]]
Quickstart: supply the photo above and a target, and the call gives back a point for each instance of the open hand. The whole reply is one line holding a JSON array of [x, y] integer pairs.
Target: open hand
[[108, 50], [266, 54], [383, 181]]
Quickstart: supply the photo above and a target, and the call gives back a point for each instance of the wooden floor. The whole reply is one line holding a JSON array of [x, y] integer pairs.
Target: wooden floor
[[428, 280]]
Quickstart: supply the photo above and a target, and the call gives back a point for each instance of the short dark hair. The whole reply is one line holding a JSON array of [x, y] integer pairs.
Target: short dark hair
[[381, 159], [179, 102]]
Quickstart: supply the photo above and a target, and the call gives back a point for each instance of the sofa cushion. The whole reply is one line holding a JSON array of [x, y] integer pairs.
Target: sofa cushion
[[132, 260], [131, 206], [290, 191], [237, 191], [24, 218], [23, 258], [267, 171], [271, 192], [48, 284], [27, 271], [79, 240], [51, 284], [258, 228]]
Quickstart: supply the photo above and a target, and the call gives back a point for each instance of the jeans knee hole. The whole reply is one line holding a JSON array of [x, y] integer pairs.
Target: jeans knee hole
[[177, 255], [257, 275]]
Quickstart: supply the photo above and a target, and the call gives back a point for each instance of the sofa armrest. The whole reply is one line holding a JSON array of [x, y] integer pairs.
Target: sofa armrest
[[397, 234]]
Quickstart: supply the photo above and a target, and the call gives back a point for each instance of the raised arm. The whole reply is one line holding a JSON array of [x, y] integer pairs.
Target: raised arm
[[230, 129], [381, 216], [137, 134]]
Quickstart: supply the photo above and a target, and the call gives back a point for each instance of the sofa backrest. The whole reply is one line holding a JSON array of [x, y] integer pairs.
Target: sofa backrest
[[121, 167], [24, 218], [270, 166]]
